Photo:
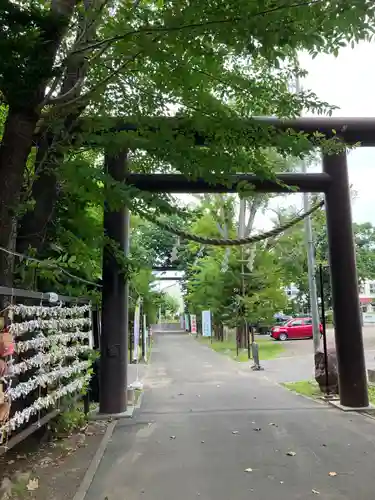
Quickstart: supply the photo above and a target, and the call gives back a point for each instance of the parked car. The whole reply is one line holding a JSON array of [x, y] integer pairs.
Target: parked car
[[281, 318], [296, 328], [265, 329]]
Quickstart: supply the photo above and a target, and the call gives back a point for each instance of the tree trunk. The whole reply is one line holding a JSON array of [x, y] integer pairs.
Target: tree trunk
[[33, 227], [221, 332], [34, 224], [21, 123], [241, 336], [15, 148]]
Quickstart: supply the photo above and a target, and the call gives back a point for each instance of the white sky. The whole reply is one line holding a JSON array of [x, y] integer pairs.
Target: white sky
[[347, 81]]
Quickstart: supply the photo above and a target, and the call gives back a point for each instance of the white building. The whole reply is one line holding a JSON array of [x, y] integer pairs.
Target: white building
[[291, 291], [367, 296]]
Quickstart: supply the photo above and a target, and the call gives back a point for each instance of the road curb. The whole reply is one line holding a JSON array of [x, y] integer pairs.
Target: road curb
[[94, 464]]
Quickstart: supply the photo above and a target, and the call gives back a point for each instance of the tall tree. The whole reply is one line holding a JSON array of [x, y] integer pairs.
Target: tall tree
[[70, 59], [291, 253]]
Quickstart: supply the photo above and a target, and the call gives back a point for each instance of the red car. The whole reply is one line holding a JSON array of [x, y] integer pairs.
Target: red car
[[296, 328]]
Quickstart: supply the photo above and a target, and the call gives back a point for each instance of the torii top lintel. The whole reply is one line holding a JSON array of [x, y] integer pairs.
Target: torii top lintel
[[352, 130]]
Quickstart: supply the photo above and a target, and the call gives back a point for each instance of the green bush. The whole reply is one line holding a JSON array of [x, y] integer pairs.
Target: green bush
[[71, 419], [329, 317]]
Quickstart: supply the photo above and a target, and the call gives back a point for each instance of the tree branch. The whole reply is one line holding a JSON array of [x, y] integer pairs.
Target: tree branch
[[183, 27]]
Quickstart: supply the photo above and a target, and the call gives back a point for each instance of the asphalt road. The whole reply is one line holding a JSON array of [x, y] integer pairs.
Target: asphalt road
[[297, 361], [305, 346], [205, 419]]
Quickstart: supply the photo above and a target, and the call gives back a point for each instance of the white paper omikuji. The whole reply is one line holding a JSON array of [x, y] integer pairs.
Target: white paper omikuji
[[49, 312], [55, 354], [42, 341], [45, 379], [53, 329], [22, 417], [50, 325]]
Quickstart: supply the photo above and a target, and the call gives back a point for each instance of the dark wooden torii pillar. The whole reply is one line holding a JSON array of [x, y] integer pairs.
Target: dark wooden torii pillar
[[115, 301]]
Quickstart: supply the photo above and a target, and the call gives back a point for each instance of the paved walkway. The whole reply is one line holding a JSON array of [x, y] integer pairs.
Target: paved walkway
[[136, 372], [205, 420], [295, 368]]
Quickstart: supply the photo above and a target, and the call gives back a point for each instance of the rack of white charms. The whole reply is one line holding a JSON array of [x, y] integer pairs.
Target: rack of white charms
[[51, 343]]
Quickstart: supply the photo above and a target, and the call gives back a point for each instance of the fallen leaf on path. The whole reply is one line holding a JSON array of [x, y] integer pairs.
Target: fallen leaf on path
[[202, 442], [234, 432], [181, 394], [33, 484], [271, 423], [332, 474], [316, 492], [281, 482], [173, 437], [218, 385], [249, 470], [198, 395], [291, 453], [257, 429]]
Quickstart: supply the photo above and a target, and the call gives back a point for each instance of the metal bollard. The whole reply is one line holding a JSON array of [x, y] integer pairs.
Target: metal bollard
[[255, 351]]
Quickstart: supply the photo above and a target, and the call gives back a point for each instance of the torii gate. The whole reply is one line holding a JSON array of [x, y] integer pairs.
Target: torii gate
[[332, 181]]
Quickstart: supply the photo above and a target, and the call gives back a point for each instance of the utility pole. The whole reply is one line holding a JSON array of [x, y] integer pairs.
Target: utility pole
[[241, 234], [309, 242]]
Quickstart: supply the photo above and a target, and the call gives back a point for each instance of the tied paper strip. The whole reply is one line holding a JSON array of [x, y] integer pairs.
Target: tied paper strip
[[49, 312], [46, 379], [58, 366], [42, 341], [44, 402], [51, 325], [40, 359]]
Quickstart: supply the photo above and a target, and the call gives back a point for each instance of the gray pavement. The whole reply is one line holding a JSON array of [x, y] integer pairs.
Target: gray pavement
[[295, 368], [297, 361], [136, 371], [305, 346], [206, 419]]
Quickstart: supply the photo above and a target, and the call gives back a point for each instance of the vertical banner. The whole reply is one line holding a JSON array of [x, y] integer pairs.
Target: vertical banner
[[182, 322], [206, 323], [145, 335], [136, 330], [187, 324], [193, 323]]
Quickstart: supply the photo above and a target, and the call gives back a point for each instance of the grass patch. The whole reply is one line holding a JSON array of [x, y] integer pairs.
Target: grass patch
[[305, 387], [268, 349], [371, 394], [311, 388]]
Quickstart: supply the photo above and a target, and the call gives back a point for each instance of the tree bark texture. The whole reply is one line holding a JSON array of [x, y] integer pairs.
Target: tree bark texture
[[35, 224], [14, 151], [23, 115]]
